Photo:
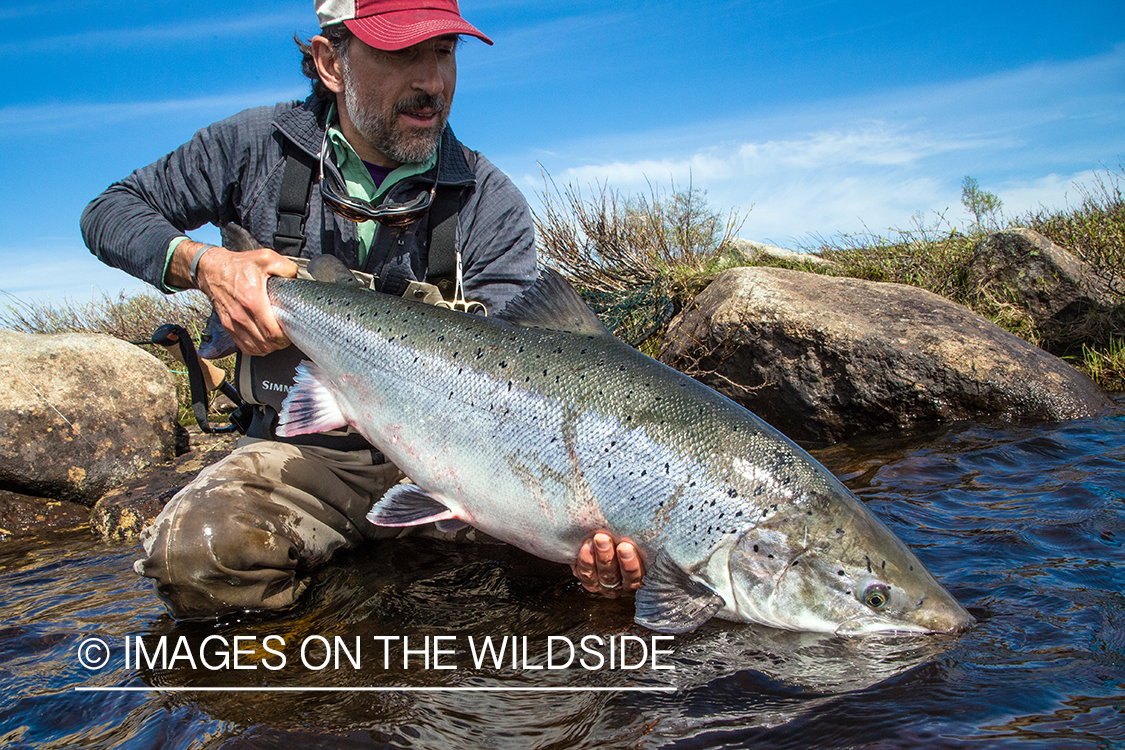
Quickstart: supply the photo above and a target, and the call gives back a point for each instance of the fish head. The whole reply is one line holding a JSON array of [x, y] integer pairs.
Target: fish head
[[824, 563]]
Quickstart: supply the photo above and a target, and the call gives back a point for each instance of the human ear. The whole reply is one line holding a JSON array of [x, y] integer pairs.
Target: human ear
[[328, 64]]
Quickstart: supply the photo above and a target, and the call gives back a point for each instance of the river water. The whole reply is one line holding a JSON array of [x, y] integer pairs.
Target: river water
[[1023, 524]]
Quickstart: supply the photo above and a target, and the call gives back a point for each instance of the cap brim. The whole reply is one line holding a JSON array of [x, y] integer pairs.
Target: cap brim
[[401, 29]]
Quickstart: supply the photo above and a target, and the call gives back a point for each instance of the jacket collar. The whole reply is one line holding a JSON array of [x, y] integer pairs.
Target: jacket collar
[[303, 123]]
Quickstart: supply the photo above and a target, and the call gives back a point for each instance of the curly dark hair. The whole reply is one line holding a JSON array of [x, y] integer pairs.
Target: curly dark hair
[[340, 36]]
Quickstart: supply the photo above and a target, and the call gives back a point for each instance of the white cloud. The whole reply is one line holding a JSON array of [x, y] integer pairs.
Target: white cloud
[[872, 162]]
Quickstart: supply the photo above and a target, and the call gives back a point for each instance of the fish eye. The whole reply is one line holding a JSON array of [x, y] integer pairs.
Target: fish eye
[[877, 596]]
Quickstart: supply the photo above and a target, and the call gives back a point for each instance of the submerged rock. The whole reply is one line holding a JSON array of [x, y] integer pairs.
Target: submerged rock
[[124, 511], [824, 358], [22, 514], [80, 413]]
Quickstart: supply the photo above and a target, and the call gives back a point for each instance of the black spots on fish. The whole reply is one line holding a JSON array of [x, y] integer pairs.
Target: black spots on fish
[[732, 492], [558, 350], [503, 365], [480, 353], [884, 565], [770, 556], [691, 507], [621, 368], [441, 338], [451, 395], [667, 469], [839, 530], [713, 503], [808, 512], [644, 473], [544, 373], [520, 351], [738, 514], [460, 370], [868, 559], [794, 563], [509, 386], [755, 548], [416, 360], [840, 572], [912, 567]]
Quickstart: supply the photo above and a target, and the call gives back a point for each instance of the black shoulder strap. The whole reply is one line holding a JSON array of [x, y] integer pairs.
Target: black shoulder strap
[[293, 201], [441, 264]]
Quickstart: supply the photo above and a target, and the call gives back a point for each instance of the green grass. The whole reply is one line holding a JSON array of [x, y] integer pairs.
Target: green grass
[[670, 244]]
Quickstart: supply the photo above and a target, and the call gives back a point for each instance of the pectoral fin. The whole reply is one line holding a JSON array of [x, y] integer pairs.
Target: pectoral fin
[[671, 602], [309, 406], [408, 505]]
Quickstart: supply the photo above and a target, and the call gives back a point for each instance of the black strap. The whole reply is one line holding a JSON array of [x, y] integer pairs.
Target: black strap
[[293, 201], [441, 263]]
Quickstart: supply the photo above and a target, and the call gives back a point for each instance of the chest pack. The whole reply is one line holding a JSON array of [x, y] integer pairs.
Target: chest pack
[[265, 381]]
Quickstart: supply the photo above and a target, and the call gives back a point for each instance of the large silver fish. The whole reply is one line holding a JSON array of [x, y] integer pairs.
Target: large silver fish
[[539, 427]]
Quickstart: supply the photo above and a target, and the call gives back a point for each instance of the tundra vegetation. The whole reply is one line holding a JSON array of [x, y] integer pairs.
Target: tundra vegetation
[[639, 259]]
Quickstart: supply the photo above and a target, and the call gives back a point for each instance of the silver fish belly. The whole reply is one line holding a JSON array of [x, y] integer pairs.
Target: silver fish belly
[[540, 428]]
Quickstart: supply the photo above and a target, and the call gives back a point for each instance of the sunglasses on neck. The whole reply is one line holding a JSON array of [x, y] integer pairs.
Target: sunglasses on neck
[[334, 193]]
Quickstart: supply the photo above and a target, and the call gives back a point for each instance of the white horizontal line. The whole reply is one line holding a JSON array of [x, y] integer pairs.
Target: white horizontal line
[[414, 689]]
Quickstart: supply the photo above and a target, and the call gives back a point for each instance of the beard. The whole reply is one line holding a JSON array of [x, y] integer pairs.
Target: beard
[[381, 130]]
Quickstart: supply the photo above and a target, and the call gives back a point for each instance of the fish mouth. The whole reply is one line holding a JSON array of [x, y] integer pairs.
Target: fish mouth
[[947, 619]]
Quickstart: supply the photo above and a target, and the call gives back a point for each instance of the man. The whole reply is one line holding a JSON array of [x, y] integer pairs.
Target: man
[[366, 169]]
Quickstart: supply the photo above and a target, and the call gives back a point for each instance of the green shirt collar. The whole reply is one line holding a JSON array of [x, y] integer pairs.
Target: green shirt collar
[[359, 182]]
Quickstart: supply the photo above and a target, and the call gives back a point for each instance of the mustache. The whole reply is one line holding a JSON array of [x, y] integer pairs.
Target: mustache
[[421, 101]]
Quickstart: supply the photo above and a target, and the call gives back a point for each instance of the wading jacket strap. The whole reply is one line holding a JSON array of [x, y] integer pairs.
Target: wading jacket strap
[[231, 171]]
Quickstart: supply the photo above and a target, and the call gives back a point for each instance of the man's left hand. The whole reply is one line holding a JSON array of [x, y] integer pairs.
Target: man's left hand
[[608, 568]]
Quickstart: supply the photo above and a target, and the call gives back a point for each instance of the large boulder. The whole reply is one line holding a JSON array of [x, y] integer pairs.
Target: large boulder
[[824, 358], [80, 413], [1020, 273]]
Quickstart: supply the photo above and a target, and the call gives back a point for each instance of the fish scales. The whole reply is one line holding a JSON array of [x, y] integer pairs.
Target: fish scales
[[540, 437]]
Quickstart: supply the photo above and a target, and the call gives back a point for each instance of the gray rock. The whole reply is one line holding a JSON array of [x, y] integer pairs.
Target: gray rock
[[1066, 301], [824, 358], [756, 252], [80, 413]]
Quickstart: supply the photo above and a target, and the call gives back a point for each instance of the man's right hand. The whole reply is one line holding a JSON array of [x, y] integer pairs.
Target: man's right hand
[[236, 285]]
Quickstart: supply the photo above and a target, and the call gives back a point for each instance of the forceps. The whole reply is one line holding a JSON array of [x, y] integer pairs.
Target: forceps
[[458, 302]]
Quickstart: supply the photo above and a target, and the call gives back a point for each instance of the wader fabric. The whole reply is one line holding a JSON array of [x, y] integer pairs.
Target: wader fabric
[[244, 534]]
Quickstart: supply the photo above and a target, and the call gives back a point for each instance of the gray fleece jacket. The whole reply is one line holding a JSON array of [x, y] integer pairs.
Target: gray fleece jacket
[[231, 171]]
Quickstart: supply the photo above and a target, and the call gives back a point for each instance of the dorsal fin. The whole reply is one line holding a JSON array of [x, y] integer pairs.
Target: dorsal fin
[[552, 303], [331, 270]]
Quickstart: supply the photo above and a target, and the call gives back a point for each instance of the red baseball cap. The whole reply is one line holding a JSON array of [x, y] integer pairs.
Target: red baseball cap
[[396, 24]]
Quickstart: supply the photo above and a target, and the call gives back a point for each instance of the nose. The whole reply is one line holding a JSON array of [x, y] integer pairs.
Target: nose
[[428, 74]]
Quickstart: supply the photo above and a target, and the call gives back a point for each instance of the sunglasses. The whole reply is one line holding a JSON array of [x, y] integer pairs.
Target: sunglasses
[[334, 193]]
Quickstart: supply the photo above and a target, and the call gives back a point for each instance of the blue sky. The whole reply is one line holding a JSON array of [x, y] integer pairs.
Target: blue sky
[[810, 118]]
